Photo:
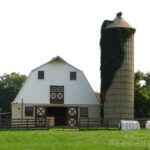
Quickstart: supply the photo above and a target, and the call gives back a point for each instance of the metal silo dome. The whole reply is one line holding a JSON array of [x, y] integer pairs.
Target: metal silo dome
[[119, 22]]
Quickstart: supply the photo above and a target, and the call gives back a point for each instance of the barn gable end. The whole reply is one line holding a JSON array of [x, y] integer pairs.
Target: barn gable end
[[58, 90], [56, 73]]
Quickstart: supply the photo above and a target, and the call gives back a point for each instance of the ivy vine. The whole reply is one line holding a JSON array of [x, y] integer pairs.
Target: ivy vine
[[112, 53]]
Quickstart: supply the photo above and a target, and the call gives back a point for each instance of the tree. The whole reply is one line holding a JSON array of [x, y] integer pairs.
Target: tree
[[138, 77], [10, 85], [142, 94]]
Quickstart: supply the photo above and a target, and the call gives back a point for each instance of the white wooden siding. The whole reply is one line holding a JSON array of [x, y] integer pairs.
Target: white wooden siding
[[37, 91]]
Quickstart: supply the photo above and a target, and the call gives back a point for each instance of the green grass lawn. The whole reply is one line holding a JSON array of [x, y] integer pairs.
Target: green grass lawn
[[75, 140]]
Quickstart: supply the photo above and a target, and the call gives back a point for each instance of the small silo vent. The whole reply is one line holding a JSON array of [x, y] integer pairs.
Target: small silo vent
[[119, 14]]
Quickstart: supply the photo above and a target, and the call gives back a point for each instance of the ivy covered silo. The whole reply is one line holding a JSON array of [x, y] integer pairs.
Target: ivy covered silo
[[117, 69]]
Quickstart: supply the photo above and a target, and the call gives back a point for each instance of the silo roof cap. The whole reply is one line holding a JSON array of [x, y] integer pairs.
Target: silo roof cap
[[119, 22]]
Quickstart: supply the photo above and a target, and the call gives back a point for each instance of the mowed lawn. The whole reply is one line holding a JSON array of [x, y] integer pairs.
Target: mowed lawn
[[75, 140]]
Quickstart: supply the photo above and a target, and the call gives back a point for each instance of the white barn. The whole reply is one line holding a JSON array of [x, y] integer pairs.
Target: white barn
[[59, 90]]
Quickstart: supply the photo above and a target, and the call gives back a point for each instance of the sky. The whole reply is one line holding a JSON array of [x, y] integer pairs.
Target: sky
[[32, 32]]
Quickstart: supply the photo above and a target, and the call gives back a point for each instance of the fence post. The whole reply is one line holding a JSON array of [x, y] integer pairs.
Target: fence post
[[35, 123], [107, 124], [79, 124], [27, 124], [48, 124]]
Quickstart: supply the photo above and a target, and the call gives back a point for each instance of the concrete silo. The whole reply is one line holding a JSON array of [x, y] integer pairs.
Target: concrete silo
[[118, 94]]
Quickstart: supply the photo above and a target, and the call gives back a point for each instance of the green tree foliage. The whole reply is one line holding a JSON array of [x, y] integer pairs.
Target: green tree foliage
[[10, 85], [142, 94]]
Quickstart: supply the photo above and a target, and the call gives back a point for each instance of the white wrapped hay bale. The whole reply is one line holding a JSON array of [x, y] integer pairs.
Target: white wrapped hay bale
[[147, 125], [129, 125]]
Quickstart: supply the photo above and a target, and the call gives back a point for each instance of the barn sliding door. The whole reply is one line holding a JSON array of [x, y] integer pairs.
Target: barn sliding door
[[72, 116], [40, 114], [56, 94]]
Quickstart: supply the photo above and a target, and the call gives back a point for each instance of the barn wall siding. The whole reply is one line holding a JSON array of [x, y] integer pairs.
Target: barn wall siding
[[37, 91], [93, 110]]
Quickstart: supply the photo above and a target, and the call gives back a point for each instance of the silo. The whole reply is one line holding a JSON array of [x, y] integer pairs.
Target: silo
[[117, 72]]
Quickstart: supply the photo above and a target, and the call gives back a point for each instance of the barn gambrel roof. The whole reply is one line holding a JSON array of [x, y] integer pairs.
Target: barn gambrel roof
[[36, 91]]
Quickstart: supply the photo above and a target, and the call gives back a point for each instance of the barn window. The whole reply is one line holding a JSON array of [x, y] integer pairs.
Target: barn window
[[29, 111], [72, 75], [57, 94], [83, 111], [40, 74]]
